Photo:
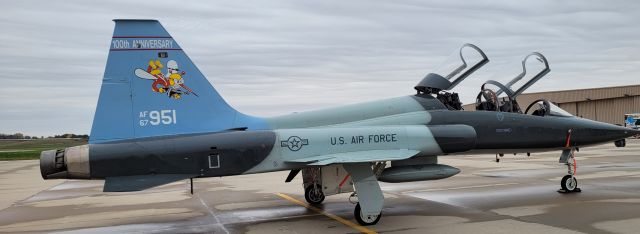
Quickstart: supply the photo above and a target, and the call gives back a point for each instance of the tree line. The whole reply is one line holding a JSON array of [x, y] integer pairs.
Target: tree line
[[23, 136]]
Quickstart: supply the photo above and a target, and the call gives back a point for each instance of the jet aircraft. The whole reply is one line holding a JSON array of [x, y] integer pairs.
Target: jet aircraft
[[150, 128]]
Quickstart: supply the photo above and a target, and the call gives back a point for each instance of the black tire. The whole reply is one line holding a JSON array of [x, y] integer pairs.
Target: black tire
[[621, 143], [361, 220], [569, 183], [314, 196], [618, 143]]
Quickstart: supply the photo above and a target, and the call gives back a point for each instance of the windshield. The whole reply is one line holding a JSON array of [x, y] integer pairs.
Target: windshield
[[557, 111]]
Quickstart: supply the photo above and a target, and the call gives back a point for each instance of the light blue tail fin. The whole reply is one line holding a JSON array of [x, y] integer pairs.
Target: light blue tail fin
[[151, 88]]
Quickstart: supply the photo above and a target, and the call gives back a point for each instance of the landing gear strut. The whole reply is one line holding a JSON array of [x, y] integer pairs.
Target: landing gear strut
[[569, 183], [368, 210]]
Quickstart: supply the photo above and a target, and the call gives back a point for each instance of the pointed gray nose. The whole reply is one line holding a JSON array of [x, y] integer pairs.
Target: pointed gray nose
[[623, 132], [615, 132], [633, 132], [590, 132]]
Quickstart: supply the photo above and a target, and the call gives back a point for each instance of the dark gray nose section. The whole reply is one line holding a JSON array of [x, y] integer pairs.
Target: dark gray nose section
[[592, 132], [619, 132], [631, 133]]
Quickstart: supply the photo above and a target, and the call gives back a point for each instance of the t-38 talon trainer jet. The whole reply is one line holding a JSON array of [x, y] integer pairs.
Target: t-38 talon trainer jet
[[145, 133]]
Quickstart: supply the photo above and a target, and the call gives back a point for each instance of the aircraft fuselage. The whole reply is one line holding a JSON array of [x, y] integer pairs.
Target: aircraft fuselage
[[401, 120]]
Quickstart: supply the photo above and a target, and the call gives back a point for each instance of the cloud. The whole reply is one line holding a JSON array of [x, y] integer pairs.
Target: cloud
[[275, 57]]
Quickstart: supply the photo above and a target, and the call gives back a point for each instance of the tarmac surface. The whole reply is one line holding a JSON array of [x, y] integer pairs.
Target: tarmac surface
[[516, 195]]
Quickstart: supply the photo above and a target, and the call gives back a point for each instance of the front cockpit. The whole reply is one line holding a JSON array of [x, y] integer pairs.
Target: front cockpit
[[495, 96]]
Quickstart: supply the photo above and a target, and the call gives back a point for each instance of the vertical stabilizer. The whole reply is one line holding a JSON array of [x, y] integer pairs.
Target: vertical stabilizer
[[152, 88]]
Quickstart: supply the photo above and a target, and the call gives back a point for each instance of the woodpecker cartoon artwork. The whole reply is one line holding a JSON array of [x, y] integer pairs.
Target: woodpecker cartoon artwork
[[171, 83]]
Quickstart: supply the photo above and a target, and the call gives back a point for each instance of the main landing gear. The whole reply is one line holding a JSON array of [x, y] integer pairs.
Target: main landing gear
[[334, 179], [368, 208], [313, 194], [363, 219], [569, 183]]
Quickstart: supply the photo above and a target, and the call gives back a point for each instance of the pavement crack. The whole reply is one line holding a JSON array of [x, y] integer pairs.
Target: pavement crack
[[214, 215]]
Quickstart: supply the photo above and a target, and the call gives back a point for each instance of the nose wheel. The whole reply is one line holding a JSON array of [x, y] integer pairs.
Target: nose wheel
[[569, 183]]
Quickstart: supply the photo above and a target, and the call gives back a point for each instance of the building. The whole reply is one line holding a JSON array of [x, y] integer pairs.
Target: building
[[608, 104]]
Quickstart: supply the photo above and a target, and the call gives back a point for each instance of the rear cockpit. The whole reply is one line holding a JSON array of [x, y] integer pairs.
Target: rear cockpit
[[458, 66]]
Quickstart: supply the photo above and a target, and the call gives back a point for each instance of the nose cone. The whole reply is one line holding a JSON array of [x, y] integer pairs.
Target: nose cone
[[621, 132], [633, 132], [593, 132]]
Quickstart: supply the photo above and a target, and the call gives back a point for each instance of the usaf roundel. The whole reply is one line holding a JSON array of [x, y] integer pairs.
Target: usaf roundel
[[294, 143]]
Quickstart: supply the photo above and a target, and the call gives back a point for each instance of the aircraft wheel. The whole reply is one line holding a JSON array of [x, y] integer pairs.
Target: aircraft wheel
[[619, 143], [313, 194], [366, 220], [569, 183]]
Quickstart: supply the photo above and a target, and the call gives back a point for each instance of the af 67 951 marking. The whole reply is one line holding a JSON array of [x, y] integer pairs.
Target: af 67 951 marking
[[157, 117]]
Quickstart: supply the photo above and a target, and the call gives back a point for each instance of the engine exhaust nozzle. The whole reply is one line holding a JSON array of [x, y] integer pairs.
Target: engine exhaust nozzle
[[68, 163]]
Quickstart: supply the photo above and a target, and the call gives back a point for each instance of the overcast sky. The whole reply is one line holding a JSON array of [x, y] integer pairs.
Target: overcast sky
[[268, 58]]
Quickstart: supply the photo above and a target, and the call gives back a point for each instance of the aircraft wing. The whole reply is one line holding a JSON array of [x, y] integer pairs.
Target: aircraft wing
[[357, 157]]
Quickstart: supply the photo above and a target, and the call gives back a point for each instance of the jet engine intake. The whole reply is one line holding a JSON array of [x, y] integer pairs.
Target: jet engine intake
[[454, 138], [69, 163]]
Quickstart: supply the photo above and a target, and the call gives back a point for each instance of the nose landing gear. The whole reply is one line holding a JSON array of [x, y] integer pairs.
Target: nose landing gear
[[569, 183]]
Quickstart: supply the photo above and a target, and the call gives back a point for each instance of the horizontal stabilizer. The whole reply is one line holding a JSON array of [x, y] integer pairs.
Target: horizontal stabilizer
[[141, 182], [358, 156]]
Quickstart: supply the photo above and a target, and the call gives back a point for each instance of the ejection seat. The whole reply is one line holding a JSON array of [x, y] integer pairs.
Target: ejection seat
[[458, 66], [490, 100]]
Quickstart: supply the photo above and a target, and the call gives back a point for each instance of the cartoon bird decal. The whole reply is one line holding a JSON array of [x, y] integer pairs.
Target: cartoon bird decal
[[171, 83]]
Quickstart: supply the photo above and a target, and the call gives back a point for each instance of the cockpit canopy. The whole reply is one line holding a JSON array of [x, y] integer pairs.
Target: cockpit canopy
[[534, 67], [458, 66], [557, 111], [542, 107]]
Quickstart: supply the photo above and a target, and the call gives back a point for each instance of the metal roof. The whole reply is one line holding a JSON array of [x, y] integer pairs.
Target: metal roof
[[578, 95]]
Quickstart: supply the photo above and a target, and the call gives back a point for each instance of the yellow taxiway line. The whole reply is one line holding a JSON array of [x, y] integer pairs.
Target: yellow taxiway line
[[334, 217]]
